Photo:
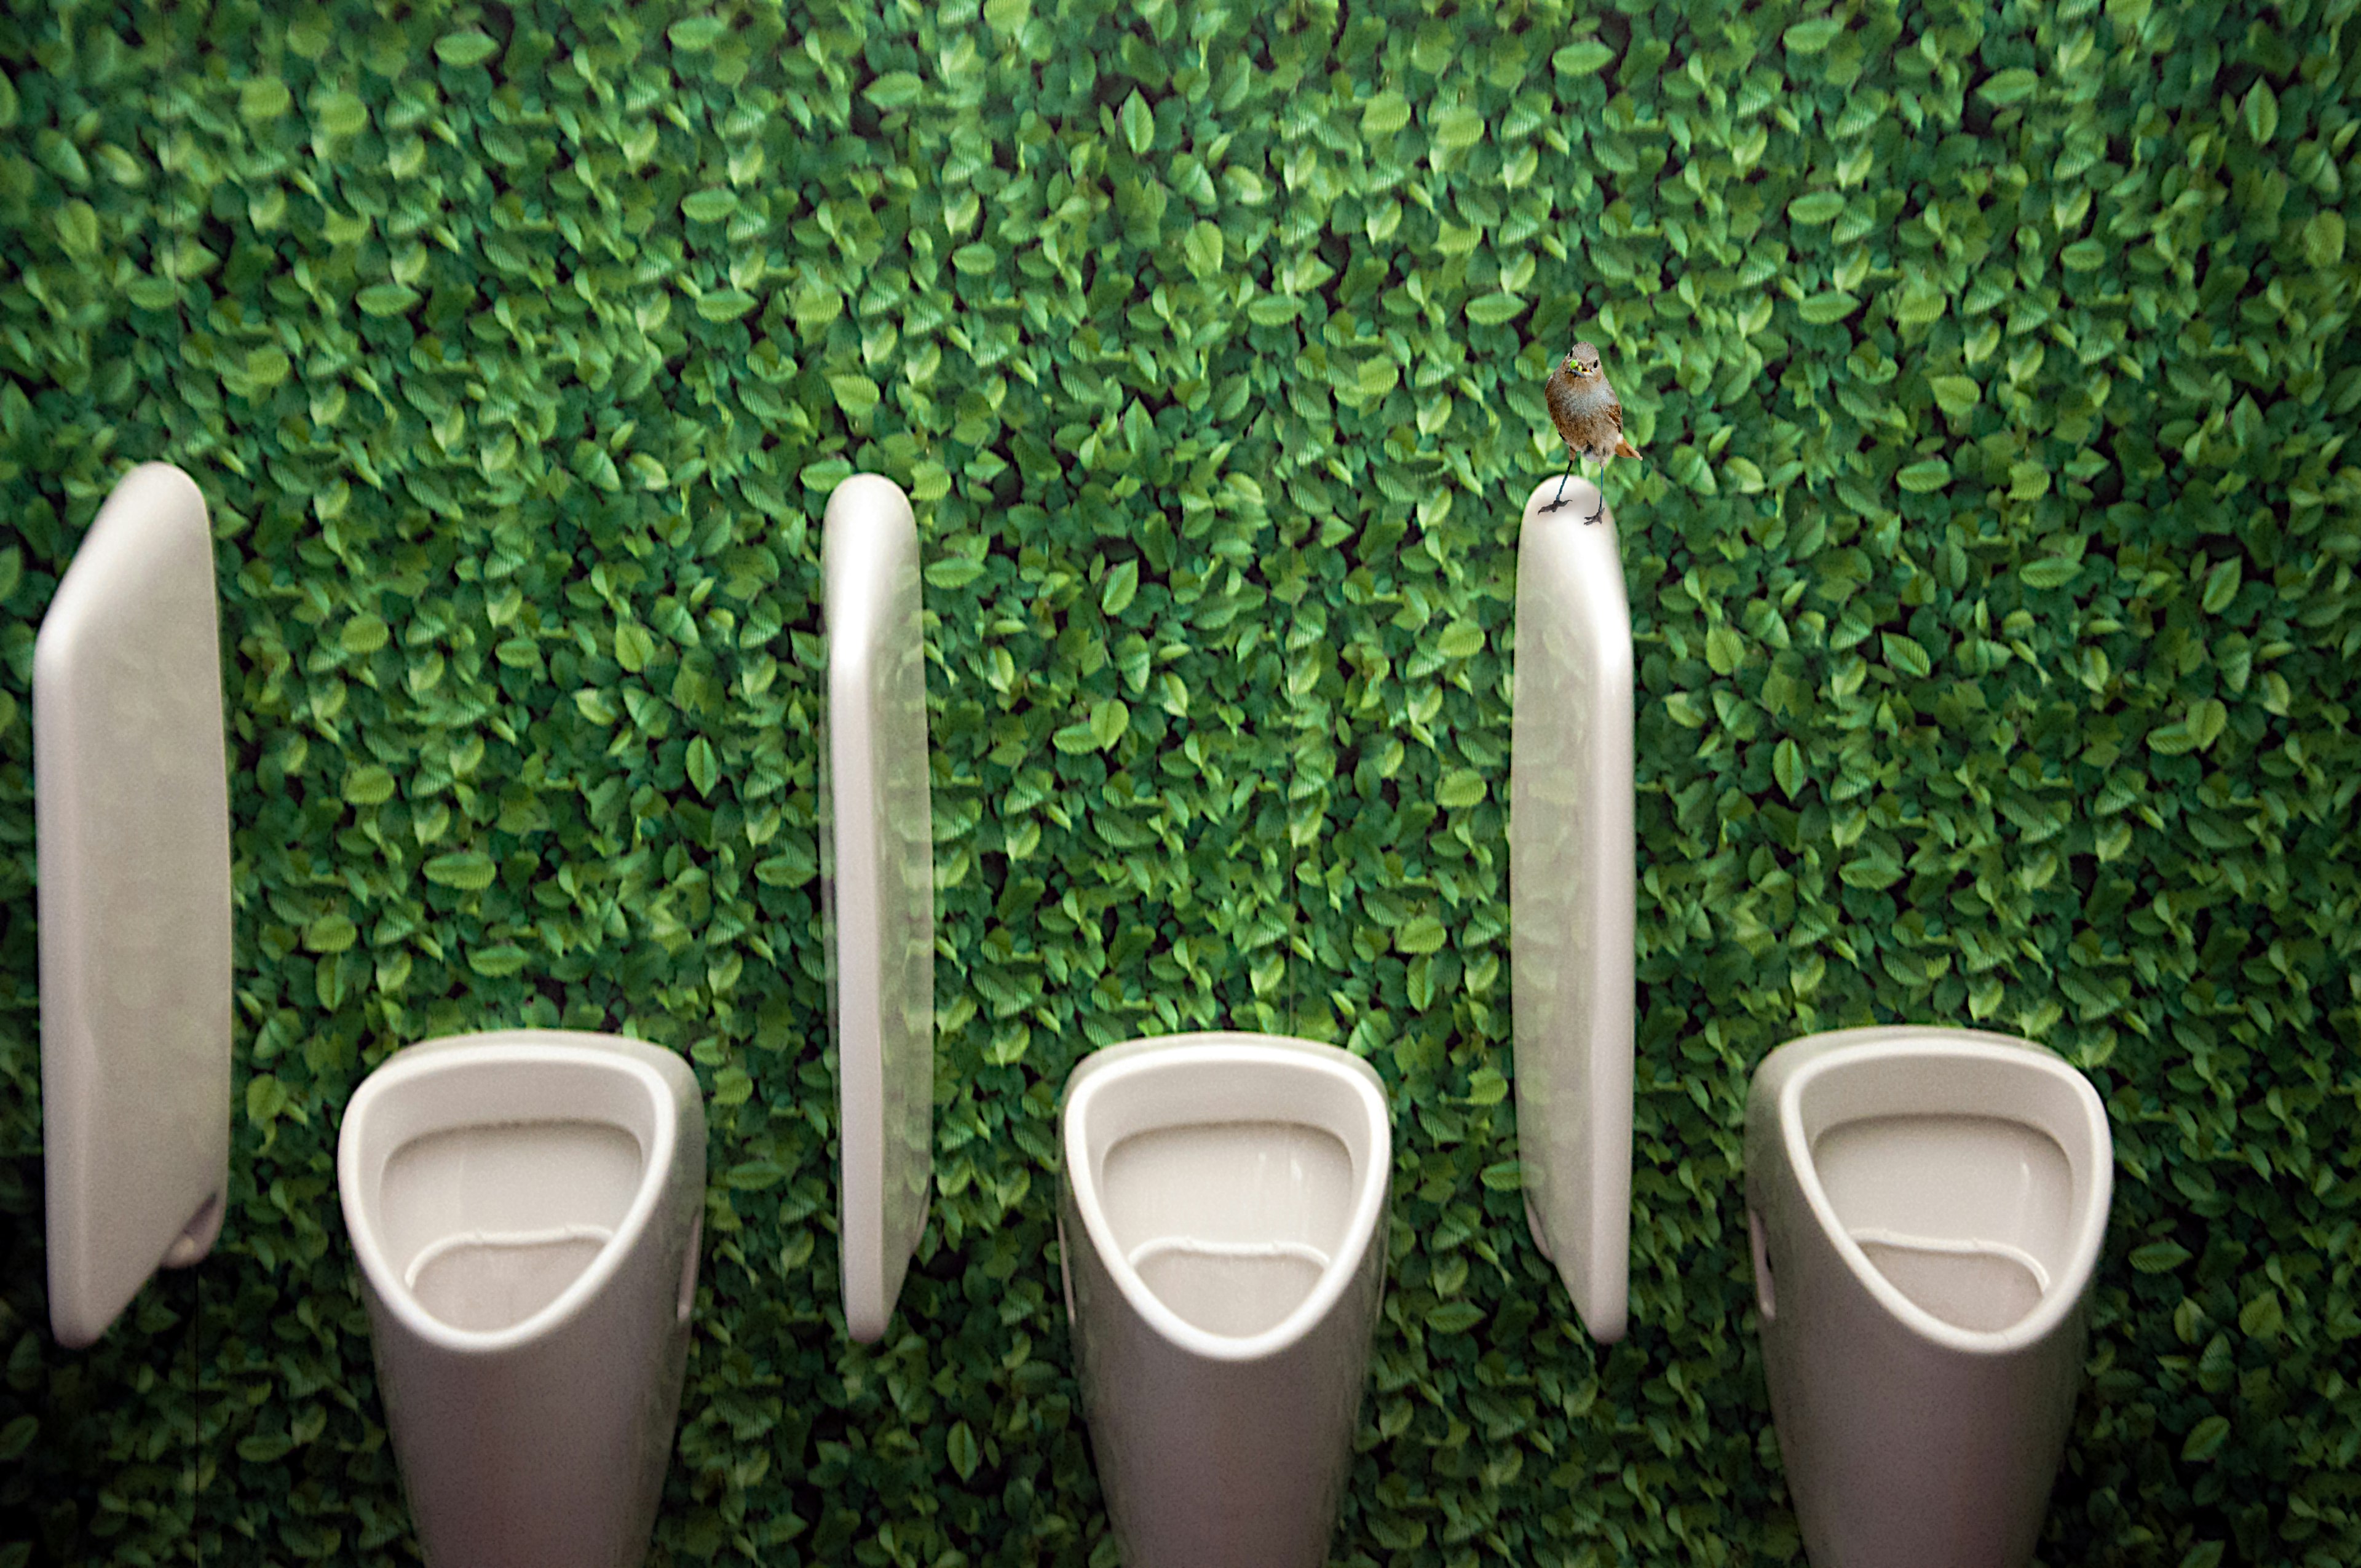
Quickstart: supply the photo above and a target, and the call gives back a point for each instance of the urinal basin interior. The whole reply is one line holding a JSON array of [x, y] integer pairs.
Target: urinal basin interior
[[1230, 1224], [1970, 1217], [1970, 1183], [489, 1185], [486, 1225], [1232, 1183]]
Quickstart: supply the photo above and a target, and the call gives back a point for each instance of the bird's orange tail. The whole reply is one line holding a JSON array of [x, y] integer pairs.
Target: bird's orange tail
[[1623, 448]]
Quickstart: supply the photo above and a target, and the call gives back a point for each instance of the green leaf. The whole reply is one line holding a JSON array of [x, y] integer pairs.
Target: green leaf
[[1820, 207], [856, 395], [1200, 250], [1830, 305], [1110, 721], [1138, 123], [960, 1447], [1926, 474], [1460, 640], [2049, 572], [2205, 1439], [691, 34], [704, 768], [341, 113], [463, 50], [329, 934], [1458, 128], [77, 226], [1584, 58], [726, 304], [1122, 584], [1385, 114], [1787, 768], [385, 299], [2262, 109], [369, 785], [1461, 787], [2323, 239], [1423, 934], [2011, 86], [2084, 256], [497, 961], [1904, 654], [2222, 585], [1812, 36], [894, 90], [635, 646], [1724, 648], [2159, 1257], [1495, 309], [470, 870], [16, 1437], [1955, 394], [263, 98], [364, 634], [709, 205], [1453, 1317], [265, 1099]]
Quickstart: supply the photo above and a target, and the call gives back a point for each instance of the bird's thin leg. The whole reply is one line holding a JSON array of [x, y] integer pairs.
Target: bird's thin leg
[[1559, 499], [1601, 507]]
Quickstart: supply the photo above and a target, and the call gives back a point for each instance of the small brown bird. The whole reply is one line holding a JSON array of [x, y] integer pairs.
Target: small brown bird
[[1589, 416]]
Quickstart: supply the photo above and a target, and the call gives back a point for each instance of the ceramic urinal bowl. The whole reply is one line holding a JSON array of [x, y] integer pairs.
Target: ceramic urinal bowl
[[526, 1206], [1223, 1227], [1926, 1208]]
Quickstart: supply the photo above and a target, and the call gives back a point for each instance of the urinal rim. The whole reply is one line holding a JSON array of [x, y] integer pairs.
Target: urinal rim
[[1113, 1064], [1841, 1049], [447, 1053]]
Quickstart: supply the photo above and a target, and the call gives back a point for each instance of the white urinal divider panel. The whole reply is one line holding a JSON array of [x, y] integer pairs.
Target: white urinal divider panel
[[877, 876], [131, 812], [1572, 890]]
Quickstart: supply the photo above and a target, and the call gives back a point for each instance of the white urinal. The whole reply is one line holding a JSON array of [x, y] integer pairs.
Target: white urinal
[[1222, 1224], [1926, 1207], [526, 1206], [131, 809]]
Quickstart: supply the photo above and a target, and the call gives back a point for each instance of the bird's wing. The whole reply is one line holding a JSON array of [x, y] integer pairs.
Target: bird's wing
[[1623, 447]]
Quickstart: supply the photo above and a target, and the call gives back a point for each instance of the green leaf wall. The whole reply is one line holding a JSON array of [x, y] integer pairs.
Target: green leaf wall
[[1991, 567]]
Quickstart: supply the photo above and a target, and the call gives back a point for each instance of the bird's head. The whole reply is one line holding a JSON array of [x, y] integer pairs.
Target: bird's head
[[1582, 359]]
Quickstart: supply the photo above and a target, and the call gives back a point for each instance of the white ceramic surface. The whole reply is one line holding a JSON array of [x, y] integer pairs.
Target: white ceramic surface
[[1572, 897], [878, 875], [1926, 1208], [526, 1206], [131, 812], [1222, 1224]]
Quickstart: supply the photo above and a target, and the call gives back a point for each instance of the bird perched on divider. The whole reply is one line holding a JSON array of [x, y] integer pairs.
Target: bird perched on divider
[[1589, 416]]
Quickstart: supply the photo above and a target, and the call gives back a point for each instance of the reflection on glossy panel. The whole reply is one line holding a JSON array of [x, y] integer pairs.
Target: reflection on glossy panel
[[1571, 892], [877, 848]]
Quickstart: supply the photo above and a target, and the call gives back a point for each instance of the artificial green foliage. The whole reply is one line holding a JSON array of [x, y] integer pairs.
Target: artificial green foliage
[[1991, 565]]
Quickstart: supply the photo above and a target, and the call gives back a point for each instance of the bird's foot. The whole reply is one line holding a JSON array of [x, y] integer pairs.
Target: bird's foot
[[1594, 516], [1553, 506]]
